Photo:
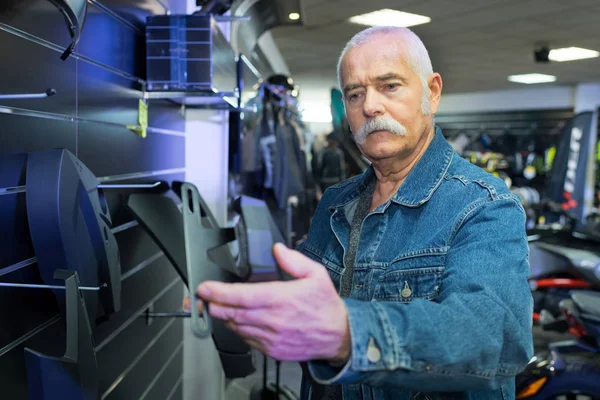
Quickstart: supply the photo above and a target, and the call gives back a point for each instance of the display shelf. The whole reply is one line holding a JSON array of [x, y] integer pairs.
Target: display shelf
[[201, 100], [194, 98]]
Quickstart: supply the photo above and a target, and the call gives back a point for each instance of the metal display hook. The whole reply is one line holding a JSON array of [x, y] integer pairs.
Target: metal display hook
[[130, 186], [35, 286], [46, 94], [176, 314], [22, 189], [150, 313]]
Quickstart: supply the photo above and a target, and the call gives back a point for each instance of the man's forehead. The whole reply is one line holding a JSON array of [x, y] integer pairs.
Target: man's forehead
[[384, 46], [381, 45], [367, 61]]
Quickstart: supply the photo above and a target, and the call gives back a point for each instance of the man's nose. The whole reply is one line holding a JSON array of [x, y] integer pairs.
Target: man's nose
[[372, 106]]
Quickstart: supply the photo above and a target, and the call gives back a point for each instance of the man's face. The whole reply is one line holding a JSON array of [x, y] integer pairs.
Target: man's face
[[378, 83]]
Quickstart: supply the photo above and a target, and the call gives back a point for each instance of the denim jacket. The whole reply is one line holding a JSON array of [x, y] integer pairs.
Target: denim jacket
[[440, 307]]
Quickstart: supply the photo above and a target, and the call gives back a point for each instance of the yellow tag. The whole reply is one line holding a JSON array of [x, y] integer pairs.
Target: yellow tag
[[137, 130], [550, 154], [142, 119]]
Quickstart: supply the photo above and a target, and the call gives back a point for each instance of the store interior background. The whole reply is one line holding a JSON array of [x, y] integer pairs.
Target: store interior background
[[475, 45]]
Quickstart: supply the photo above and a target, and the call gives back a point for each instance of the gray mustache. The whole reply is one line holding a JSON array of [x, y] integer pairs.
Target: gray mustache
[[382, 123]]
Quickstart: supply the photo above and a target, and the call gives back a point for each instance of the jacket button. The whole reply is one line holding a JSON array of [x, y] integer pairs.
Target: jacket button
[[406, 291], [373, 352], [428, 368]]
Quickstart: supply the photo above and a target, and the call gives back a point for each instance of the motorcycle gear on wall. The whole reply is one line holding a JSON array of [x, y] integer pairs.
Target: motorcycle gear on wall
[[276, 159], [569, 173], [70, 227]]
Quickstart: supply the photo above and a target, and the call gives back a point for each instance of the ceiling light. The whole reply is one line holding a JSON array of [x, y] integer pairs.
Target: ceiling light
[[572, 53], [532, 78], [390, 18], [294, 16]]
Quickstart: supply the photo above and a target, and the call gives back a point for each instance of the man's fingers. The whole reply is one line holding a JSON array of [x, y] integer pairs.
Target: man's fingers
[[187, 307], [257, 345], [253, 295], [242, 316], [249, 332], [293, 262], [253, 336]]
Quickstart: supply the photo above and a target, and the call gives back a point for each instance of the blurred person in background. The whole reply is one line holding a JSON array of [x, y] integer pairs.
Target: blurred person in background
[[331, 165]]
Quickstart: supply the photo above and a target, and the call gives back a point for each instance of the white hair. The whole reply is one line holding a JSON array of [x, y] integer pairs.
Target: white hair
[[416, 56]]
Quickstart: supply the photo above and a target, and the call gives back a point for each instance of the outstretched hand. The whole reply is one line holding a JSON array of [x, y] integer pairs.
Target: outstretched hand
[[298, 320]]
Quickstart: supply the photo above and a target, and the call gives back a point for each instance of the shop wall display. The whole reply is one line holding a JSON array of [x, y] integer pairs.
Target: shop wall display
[[98, 89]]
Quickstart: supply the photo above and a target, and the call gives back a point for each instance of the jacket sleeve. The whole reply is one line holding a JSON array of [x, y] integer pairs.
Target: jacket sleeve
[[475, 335]]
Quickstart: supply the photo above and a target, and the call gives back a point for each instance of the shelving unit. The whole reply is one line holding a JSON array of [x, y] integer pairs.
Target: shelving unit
[[209, 100]]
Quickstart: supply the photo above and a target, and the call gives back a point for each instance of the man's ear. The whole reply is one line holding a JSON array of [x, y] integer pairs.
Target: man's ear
[[435, 91]]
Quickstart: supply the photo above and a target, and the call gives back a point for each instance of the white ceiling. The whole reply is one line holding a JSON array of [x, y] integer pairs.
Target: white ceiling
[[474, 44]]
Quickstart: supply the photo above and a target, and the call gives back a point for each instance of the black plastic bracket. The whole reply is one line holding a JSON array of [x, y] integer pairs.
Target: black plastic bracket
[[70, 226], [202, 244], [75, 374], [74, 12]]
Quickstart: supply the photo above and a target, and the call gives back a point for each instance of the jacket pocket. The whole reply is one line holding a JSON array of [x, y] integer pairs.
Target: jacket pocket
[[335, 271], [310, 251], [409, 279]]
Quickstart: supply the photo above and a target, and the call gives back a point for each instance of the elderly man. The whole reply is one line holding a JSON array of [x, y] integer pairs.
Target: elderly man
[[412, 283]]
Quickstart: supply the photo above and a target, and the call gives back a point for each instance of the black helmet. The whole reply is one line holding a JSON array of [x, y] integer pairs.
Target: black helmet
[[283, 81]]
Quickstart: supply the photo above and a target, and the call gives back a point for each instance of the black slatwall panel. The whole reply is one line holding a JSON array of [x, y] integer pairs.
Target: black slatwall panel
[[12, 363], [138, 291], [137, 358], [98, 151], [164, 353], [176, 393], [168, 381], [116, 360]]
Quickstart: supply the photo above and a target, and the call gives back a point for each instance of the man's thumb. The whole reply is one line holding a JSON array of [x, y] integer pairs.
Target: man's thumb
[[293, 262]]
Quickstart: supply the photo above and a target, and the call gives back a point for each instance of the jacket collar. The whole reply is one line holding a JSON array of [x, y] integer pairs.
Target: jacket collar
[[427, 174], [420, 184]]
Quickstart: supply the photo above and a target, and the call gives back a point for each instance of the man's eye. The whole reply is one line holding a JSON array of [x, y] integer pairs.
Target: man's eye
[[354, 96], [391, 86]]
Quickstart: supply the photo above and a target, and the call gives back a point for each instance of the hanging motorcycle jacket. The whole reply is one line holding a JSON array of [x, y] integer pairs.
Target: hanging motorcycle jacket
[[304, 141], [290, 182], [268, 146], [300, 150], [251, 130]]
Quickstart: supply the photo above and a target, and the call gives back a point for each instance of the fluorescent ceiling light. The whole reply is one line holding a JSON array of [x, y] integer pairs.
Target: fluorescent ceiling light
[[316, 112], [390, 18], [532, 78], [294, 16], [571, 53]]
